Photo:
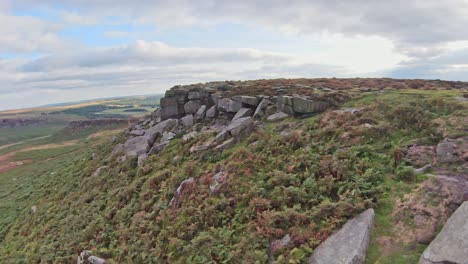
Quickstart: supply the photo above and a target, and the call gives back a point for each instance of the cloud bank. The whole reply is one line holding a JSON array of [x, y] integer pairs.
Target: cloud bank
[[40, 63]]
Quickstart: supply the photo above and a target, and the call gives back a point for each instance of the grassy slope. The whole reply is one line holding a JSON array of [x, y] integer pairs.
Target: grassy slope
[[305, 184]]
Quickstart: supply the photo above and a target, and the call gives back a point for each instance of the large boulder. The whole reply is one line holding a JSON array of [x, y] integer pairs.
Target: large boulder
[[138, 145], [349, 244], [260, 111], [451, 244], [191, 107], [171, 108], [200, 113], [159, 129], [228, 105], [187, 120], [243, 112], [304, 106], [212, 112], [248, 100], [239, 125]]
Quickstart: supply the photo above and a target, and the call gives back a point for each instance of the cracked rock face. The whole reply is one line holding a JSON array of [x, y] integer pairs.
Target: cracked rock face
[[451, 244], [349, 244]]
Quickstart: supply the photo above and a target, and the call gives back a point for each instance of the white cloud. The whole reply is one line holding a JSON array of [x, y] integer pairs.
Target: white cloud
[[142, 67], [418, 27], [29, 34], [410, 39]]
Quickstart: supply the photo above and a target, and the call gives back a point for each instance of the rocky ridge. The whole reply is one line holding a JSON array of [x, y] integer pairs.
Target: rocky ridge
[[188, 111]]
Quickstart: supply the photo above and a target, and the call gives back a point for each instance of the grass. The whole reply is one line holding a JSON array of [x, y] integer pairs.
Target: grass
[[127, 111], [44, 154], [15, 135]]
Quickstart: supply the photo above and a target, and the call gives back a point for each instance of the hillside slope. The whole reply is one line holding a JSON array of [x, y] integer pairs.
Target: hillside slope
[[301, 176]]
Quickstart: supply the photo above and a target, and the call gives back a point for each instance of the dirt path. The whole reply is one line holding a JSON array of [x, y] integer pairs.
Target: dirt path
[[6, 163]]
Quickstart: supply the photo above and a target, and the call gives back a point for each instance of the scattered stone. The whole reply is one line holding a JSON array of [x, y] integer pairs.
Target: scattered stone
[[227, 143], [243, 112], [158, 148], [277, 117], [422, 169], [167, 136], [199, 148], [187, 120], [222, 136], [280, 243], [83, 257], [451, 244], [189, 136], [200, 113], [123, 158], [96, 260], [348, 110], [86, 258], [180, 190], [212, 112], [217, 180], [93, 155], [114, 138], [228, 105], [349, 244], [99, 171], [33, 209]]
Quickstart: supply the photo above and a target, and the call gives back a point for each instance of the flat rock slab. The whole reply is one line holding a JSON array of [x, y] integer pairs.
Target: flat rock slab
[[349, 244], [277, 117], [451, 244]]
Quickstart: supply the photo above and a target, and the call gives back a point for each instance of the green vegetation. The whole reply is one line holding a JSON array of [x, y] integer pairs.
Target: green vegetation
[[43, 154], [305, 183], [91, 111], [18, 134]]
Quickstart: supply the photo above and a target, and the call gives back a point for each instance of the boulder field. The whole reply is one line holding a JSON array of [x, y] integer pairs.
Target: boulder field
[[189, 111]]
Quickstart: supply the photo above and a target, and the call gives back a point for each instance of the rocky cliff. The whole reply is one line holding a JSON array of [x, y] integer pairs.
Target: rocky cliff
[[216, 108]]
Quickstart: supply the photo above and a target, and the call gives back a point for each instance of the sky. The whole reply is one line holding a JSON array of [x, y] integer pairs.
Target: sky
[[54, 51]]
